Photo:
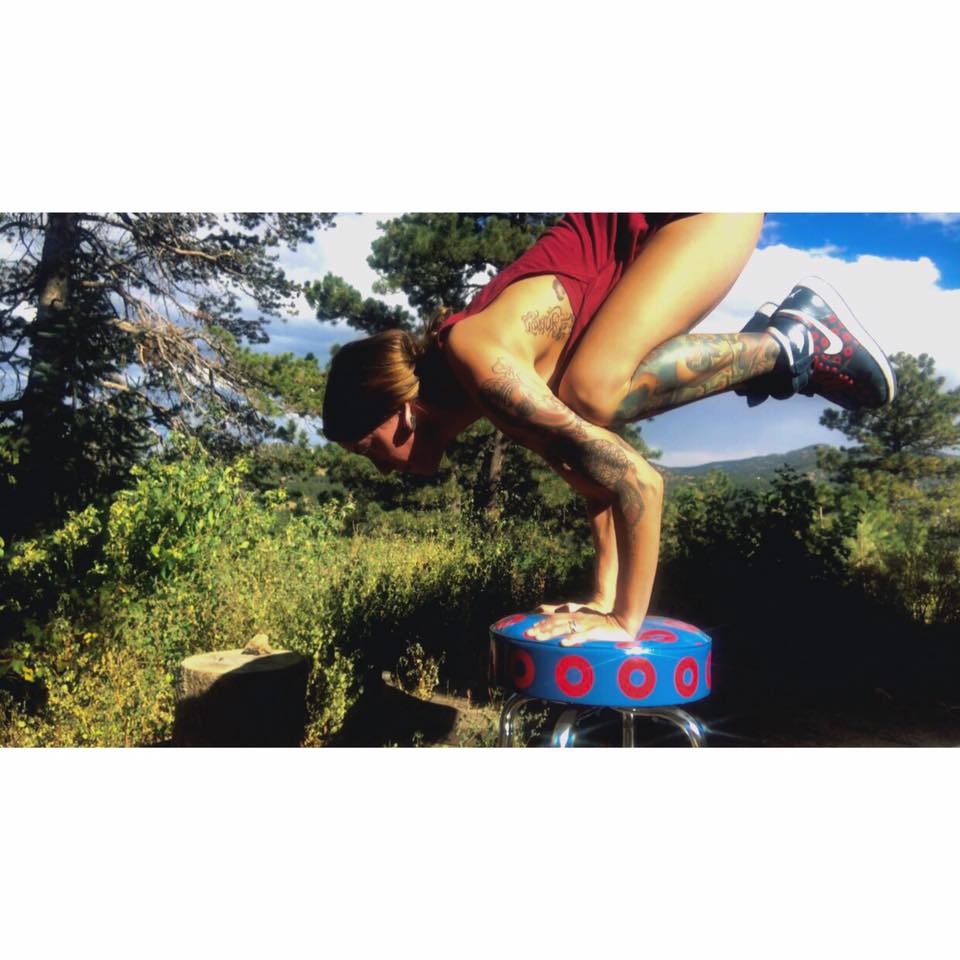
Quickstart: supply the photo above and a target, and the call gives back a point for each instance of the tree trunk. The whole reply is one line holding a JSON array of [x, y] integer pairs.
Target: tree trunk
[[51, 360], [486, 496], [232, 698]]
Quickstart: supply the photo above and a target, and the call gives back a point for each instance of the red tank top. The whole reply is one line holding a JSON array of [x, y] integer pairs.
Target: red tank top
[[588, 253]]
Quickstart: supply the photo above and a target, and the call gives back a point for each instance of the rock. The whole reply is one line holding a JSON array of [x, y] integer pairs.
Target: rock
[[258, 645]]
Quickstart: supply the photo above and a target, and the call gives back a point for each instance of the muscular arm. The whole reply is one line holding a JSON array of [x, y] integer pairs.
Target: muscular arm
[[604, 537], [596, 462]]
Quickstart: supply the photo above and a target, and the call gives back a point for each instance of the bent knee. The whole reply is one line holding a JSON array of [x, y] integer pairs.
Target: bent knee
[[596, 399]]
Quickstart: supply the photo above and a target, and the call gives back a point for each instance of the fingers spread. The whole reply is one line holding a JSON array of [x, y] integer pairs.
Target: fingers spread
[[548, 628]]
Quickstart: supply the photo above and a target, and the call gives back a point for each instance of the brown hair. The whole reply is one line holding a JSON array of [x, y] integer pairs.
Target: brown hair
[[370, 379]]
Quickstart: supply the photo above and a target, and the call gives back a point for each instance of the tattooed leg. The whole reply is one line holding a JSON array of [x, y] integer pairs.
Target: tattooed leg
[[693, 366]]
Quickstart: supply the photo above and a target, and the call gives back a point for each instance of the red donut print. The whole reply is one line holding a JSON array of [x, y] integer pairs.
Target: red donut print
[[637, 691], [686, 687], [658, 636], [708, 677], [676, 624], [508, 621], [574, 688], [521, 668]]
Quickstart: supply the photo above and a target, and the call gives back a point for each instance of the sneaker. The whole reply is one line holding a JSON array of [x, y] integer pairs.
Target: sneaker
[[791, 375], [826, 352], [761, 319]]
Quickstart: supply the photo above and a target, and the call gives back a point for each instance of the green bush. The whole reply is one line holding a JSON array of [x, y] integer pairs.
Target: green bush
[[101, 612], [909, 561], [98, 614]]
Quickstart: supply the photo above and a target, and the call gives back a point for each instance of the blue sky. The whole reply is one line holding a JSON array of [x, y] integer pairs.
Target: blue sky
[[902, 236], [900, 273]]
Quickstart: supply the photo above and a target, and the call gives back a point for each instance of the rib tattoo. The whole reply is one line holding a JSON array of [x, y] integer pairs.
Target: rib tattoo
[[571, 444], [692, 366], [555, 323]]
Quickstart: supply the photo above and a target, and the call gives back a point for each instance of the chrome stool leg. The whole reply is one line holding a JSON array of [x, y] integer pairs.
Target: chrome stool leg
[[507, 716], [629, 727], [690, 726], [564, 734], [564, 730]]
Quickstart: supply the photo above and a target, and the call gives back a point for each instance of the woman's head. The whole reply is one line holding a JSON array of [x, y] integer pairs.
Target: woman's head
[[369, 380], [390, 397]]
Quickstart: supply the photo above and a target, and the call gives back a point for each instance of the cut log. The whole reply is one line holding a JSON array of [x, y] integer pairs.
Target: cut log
[[229, 698]]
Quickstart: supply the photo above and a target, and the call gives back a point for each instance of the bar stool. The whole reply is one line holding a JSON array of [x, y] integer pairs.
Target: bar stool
[[662, 669]]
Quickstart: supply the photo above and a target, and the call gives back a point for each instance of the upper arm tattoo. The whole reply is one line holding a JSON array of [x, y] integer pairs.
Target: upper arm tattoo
[[605, 460]]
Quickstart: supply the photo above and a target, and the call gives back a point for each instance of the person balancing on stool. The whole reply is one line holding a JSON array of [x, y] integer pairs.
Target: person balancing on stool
[[588, 330]]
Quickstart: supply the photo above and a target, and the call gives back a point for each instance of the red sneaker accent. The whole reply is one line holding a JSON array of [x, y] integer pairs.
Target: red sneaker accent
[[849, 368]]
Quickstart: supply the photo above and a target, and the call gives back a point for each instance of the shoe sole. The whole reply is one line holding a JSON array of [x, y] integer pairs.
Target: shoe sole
[[845, 315]]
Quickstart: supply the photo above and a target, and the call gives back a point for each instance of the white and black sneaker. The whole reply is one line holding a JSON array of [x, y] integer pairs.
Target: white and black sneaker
[[826, 351]]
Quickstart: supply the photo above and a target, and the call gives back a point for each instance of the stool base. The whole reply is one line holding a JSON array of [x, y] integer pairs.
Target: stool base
[[564, 734]]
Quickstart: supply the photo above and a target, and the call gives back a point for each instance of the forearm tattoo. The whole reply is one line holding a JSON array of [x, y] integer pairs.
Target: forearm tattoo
[[607, 461], [692, 366], [555, 323]]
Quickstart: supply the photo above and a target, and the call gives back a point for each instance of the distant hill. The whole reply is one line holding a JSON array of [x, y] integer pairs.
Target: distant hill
[[751, 471]]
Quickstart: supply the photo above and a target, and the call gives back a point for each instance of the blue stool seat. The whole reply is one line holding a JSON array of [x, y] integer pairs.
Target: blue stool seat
[[664, 667]]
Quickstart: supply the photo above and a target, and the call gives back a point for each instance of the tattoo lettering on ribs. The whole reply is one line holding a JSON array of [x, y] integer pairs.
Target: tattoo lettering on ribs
[[609, 463], [556, 323]]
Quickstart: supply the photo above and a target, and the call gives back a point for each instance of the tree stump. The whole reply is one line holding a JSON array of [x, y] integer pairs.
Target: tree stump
[[242, 698]]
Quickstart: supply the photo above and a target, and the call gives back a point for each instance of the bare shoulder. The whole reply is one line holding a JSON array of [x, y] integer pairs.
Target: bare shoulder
[[472, 351]]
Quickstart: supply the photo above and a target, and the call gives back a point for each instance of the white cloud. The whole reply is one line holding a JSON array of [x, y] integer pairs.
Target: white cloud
[[8, 252], [900, 302], [944, 218], [342, 250], [769, 233]]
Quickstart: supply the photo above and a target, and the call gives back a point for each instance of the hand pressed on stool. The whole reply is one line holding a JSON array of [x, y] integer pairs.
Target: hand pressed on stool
[[578, 628]]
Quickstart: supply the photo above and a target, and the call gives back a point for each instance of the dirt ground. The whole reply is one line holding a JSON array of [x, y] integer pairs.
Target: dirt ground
[[875, 717]]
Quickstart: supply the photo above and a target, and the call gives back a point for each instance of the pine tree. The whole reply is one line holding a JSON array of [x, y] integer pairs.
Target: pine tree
[[115, 328], [908, 440]]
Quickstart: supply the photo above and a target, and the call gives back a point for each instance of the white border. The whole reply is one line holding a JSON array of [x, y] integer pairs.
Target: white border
[[505, 106]]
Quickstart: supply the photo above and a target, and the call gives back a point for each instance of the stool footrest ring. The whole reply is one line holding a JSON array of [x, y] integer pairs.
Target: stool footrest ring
[[688, 725]]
